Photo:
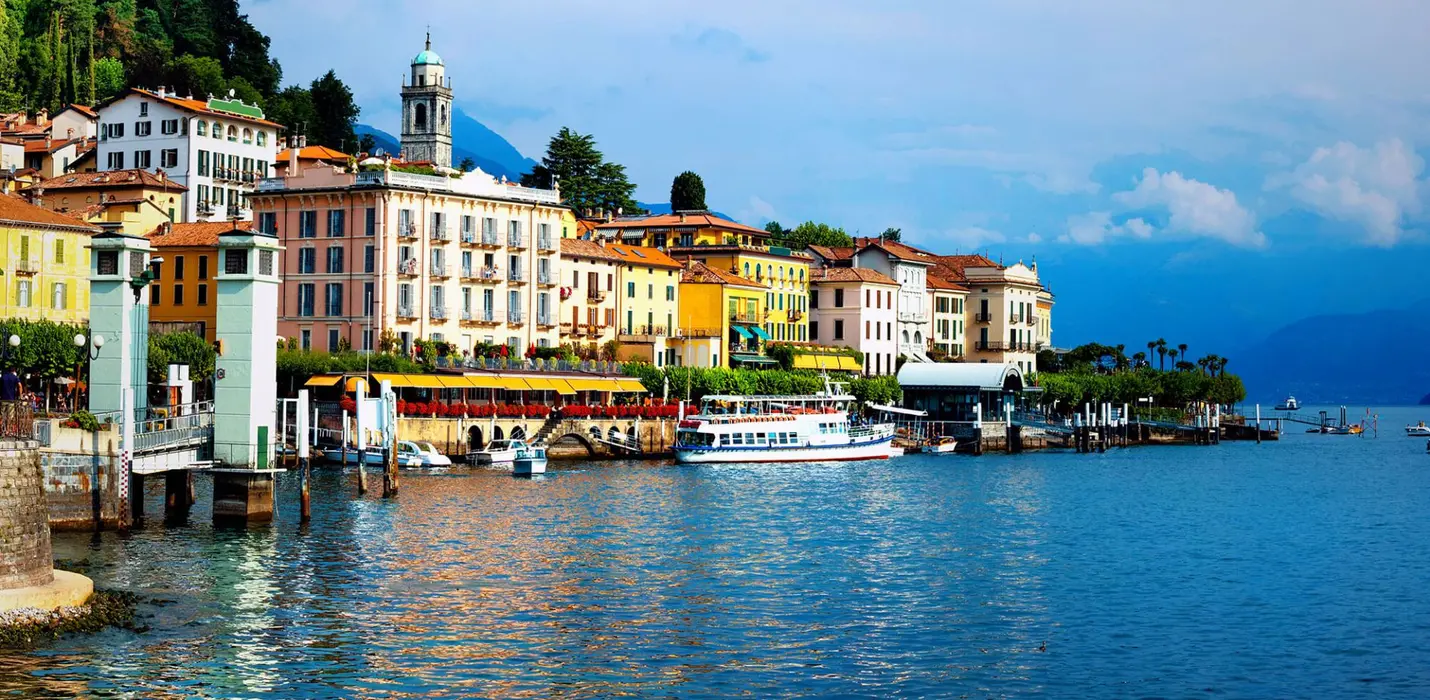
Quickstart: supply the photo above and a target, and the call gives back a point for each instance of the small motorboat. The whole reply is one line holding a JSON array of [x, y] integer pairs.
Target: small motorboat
[[943, 445], [497, 452], [530, 459], [372, 457], [425, 452], [1289, 404], [1417, 430]]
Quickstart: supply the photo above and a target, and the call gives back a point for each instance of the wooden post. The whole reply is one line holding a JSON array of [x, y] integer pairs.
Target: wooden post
[[305, 510]]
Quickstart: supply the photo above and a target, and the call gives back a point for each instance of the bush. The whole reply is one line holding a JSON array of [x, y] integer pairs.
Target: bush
[[84, 420]]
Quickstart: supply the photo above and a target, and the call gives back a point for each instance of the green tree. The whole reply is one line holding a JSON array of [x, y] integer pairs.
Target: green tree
[[198, 76], [687, 192], [586, 179], [892, 234], [335, 113], [294, 109], [776, 230], [467, 165], [810, 233]]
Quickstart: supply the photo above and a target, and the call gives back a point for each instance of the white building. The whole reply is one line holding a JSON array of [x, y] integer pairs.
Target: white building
[[855, 308], [218, 148], [909, 268]]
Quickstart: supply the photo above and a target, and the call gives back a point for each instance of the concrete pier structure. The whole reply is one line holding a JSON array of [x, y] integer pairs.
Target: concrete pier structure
[[27, 575]]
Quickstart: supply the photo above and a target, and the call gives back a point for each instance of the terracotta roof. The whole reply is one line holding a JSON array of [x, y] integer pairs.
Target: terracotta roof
[[197, 235], [638, 255], [201, 107], [312, 153], [936, 283], [831, 253], [82, 110], [134, 177], [952, 266], [850, 274], [16, 210], [585, 226], [576, 247], [691, 220], [41, 146], [898, 250], [11, 141], [700, 273]]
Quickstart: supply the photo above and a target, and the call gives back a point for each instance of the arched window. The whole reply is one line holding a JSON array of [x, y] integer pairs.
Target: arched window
[[232, 133], [918, 338], [419, 116], [218, 130], [203, 128], [247, 135], [747, 270], [262, 138], [759, 274], [442, 110], [801, 276], [906, 337]]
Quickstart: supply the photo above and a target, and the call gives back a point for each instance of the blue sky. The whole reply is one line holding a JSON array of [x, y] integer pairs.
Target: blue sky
[[1202, 171]]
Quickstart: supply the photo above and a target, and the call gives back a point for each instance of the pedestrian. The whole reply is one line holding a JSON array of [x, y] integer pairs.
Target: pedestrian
[[9, 385]]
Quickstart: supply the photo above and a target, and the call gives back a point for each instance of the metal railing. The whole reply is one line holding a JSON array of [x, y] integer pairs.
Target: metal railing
[[407, 231], [437, 313], [595, 295], [438, 270], [469, 238], [406, 312], [17, 420], [515, 316], [544, 243], [439, 233], [543, 320], [515, 276], [543, 277], [515, 240], [489, 238], [983, 318], [407, 267], [747, 317]]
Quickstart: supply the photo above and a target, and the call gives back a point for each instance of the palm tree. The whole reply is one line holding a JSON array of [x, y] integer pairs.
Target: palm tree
[[1121, 359], [1172, 353], [1138, 358], [1182, 349], [1161, 346], [1203, 362], [1221, 364]]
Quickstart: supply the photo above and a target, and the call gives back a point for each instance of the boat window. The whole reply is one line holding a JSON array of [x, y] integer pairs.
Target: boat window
[[749, 438], [735, 439], [763, 438]]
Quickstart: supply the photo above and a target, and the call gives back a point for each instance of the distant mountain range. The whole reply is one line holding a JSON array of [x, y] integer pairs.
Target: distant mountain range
[[470, 139], [1375, 358]]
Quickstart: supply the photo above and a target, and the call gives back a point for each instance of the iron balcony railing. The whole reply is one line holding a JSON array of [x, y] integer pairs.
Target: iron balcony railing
[[17, 420], [544, 243], [406, 312], [745, 317], [489, 238], [407, 230], [469, 238], [439, 233], [983, 318], [515, 240], [515, 276], [438, 270], [515, 316], [437, 313]]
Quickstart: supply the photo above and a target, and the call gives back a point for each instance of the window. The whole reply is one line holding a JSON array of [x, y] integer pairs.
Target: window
[[169, 158], [370, 226], [307, 261], [169, 126], [814, 298], [203, 164], [267, 222], [247, 135], [154, 295], [143, 109], [307, 224], [630, 290], [116, 131], [332, 332], [204, 198], [368, 299], [334, 299], [58, 296], [839, 328], [143, 128], [262, 138], [115, 161], [235, 262], [335, 260], [178, 267], [218, 130], [838, 303], [141, 159], [201, 128], [670, 292], [866, 331], [157, 267], [305, 299], [866, 298], [335, 223], [59, 251], [203, 292], [178, 295], [369, 259], [814, 331], [650, 291], [232, 133]]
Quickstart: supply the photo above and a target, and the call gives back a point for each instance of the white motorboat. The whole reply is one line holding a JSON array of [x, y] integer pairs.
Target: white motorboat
[[498, 452], [372, 457], [425, 452], [818, 428], [530, 459], [1289, 404], [1417, 430], [944, 445]]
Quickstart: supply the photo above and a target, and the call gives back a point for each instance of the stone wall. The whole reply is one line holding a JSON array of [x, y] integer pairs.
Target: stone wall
[[82, 487], [25, 555]]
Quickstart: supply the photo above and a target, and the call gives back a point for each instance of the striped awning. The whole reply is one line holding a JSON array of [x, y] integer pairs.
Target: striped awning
[[849, 363], [561, 386]]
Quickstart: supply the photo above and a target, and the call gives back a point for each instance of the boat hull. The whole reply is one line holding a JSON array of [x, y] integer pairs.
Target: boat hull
[[1417, 431], [528, 467], [873, 449]]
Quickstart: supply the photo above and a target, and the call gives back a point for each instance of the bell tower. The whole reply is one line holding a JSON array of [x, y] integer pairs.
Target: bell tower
[[427, 110]]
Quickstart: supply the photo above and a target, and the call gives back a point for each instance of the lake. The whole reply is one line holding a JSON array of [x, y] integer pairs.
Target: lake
[[1296, 568]]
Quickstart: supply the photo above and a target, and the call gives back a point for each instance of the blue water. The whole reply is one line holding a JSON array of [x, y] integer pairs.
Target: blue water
[[1290, 569]]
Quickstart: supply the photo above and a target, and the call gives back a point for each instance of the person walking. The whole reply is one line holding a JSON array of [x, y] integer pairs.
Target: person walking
[[9, 385]]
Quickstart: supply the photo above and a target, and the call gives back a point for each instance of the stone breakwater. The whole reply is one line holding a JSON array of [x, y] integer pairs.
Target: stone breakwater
[[25, 628], [25, 555]]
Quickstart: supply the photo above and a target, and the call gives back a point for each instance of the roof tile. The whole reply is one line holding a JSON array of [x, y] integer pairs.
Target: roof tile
[[16, 210]]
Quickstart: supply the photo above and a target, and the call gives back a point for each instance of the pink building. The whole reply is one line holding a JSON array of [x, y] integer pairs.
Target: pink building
[[465, 260], [854, 307]]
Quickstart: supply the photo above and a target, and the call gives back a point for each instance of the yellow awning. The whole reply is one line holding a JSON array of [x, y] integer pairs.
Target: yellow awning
[[454, 382], [398, 380], [562, 387], [541, 384], [485, 381], [630, 385], [849, 363], [323, 380], [592, 384], [806, 362], [423, 381], [514, 384]]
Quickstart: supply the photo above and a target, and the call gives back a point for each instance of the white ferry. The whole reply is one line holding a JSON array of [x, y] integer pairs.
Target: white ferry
[[817, 428]]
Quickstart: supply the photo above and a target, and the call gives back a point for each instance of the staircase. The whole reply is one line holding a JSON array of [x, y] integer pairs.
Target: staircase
[[547, 428]]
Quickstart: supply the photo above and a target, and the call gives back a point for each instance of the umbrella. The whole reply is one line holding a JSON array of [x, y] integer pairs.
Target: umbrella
[[66, 381]]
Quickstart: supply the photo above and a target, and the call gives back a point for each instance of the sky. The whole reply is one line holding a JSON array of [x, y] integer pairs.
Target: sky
[[1205, 172]]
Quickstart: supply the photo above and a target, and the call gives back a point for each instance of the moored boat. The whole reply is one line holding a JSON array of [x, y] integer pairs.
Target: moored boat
[[1417, 430], [530, 459], [497, 452], [944, 445], [817, 428]]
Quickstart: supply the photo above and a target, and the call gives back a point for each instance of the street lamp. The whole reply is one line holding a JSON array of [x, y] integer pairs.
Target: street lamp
[[92, 353]]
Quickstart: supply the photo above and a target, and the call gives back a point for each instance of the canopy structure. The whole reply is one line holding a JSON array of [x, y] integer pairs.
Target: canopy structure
[[760, 332], [751, 359], [565, 386], [323, 380], [827, 361], [743, 333], [966, 376]]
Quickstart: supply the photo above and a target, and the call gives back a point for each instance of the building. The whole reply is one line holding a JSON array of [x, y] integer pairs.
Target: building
[[52, 158], [682, 230], [302, 155], [183, 295], [950, 391], [465, 260], [135, 202], [647, 304], [427, 111], [72, 122], [47, 263], [947, 302], [12, 153], [909, 267], [1002, 301], [1044, 316], [855, 308], [721, 313], [218, 148], [588, 293]]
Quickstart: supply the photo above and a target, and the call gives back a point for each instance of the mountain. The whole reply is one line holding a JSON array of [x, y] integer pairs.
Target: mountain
[[470, 139], [1373, 358]]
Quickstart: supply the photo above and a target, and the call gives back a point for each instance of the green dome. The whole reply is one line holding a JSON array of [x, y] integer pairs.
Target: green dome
[[427, 58]]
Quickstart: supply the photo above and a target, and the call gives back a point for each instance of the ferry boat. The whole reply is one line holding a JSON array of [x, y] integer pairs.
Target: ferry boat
[[1289, 404], [1417, 430], [818, 428]]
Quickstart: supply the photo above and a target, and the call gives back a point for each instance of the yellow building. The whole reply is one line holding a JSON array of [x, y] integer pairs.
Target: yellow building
[[781, 273], [647, 303], [721, 313], [47, 263], [134, 202], [183, 295]]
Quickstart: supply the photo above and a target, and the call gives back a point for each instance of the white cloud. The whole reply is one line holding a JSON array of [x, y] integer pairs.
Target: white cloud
[[757, 210], [1374, 187], [969, 238], [1196, 208], [1096, 227], [1034, 238]]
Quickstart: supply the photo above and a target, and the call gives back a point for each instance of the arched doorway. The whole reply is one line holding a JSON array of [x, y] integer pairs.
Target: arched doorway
[[474, 438], [497, 433]]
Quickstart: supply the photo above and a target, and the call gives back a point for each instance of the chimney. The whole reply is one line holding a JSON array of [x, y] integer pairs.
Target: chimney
[[42, 117], [682, 217], [292, 161], [302, 141]]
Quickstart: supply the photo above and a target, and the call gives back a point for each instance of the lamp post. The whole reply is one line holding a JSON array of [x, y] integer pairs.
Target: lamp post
[[91, 353]]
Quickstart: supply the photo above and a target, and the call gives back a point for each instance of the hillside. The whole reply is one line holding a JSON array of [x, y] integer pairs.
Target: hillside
[[470, 139], [1373, 358]]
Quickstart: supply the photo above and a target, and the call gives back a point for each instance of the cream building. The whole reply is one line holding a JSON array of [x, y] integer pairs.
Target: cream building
[[856, 308], [947, 301]]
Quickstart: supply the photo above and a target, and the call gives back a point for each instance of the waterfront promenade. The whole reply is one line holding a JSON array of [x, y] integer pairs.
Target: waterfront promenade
[[1278, 570]]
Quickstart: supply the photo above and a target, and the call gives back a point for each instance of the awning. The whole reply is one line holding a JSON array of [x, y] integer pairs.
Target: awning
[[849, 363], [630, 385], [397, 380], [323, 380], [485, 381], [761, 333], [422, 381], [514, 384], [592, 384], [454, 382], [562, 387], [752, 359], [741, 330]]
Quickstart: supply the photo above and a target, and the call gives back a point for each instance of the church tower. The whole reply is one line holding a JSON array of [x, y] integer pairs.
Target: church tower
[[427, 110]]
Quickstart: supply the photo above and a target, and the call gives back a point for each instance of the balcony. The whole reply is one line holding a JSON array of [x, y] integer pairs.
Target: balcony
[[545, 243], [438, 271], [437, 313], [744, 317], [982, 318], [469, 238], [515, 316], [1015, 319], [515, 240], [480, 317], [26, 267], [595, 296], [486, 275], [515, 277], [407, 268], [544, 322], [544, 279], [1034, 320], [568, 328], [913, 316], [205, 209], [645, 334], [592, 330], [489, 240], [406, 312], [795, 315], [439, 233], [990, 346], [407, 232]]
